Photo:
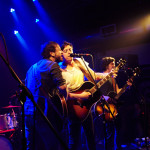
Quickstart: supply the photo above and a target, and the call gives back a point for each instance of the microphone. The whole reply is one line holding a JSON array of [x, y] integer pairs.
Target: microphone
[[78, 55]]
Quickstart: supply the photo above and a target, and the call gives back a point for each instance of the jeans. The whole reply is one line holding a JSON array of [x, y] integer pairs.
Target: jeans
[[75, 134]]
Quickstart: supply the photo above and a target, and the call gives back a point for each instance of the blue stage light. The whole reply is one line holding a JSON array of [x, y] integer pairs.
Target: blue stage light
[[37, 20], [16, 32], [21, 39], [12, 10]]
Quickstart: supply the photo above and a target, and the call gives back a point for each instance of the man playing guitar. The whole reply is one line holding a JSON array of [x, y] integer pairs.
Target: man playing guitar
[[73, 71], [107, 64]]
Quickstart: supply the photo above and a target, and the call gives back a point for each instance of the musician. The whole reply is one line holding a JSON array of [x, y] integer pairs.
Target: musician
[[109, 90], [107, 65], [73, 71], [44, 79]]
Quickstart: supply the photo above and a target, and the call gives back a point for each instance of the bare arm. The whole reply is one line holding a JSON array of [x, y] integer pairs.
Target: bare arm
[[100, 76], [129, 83], [82, 96], [97, 75], [117, 89]]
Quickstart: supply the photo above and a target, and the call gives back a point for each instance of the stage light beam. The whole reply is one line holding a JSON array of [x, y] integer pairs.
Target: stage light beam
[[21, 39], [12, 10], [37, 20], [16, 32]]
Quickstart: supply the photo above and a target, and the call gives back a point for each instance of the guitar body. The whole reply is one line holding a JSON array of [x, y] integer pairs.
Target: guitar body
[[57, 111], [78, 112], [64, 109], [98, 108], [56, 102], [59, 105]]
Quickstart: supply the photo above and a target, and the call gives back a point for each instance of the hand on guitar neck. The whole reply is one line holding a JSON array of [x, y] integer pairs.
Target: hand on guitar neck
[[114, 73]]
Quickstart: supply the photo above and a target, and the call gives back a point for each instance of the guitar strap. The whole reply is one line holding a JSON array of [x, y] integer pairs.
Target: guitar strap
[[114, 84], [85, 72]]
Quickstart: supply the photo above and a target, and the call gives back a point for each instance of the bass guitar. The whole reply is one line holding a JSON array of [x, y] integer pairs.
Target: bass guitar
[[98, 106], [78, 111]]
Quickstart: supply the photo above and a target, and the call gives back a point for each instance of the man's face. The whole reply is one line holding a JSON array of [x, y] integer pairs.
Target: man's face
[[66, 53], [58, 54], [111, 66]]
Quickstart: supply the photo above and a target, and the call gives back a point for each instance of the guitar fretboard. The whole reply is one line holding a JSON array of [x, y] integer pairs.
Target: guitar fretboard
[[125, 86], [100, 83]]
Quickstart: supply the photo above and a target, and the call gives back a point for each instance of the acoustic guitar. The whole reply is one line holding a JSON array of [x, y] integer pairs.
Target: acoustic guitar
[[78, 110], [108, 116]]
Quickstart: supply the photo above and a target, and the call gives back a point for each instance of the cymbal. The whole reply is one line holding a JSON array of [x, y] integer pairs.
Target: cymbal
[[11, 106]]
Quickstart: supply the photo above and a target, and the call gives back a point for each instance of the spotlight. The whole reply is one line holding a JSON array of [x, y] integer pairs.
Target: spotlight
[[37, 20], [16, 32], [34, 0], [12, 10]]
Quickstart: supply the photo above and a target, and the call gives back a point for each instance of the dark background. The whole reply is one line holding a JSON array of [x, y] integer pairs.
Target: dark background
[[99, 27]]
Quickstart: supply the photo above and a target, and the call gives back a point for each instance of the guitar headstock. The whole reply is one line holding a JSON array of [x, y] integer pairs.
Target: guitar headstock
[[121, 63], [136, 71]]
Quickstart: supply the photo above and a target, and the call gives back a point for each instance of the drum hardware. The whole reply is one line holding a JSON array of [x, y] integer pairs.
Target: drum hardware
[[8, 121], [10, 128], [6, 131], [5, 144], [11, 136]]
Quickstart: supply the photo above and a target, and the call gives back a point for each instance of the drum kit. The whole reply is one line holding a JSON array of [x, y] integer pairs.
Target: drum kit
[[9, 126]]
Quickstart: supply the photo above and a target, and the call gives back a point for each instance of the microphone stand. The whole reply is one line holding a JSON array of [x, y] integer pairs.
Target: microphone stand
[[26, 92], [89, 72], [103, 101]]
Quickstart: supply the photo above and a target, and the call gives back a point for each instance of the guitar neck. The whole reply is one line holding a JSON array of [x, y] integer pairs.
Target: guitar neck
[[124, 88], [121, 91], [100, 83]]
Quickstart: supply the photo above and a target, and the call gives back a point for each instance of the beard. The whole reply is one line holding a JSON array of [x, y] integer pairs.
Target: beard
[[59, 59]]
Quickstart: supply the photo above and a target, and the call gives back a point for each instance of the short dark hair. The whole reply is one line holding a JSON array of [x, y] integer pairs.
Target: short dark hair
[[105, 62], [48, 47], [65, 43]]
